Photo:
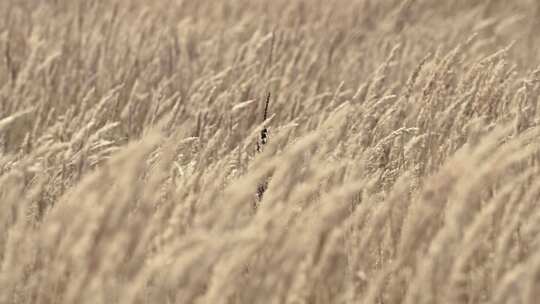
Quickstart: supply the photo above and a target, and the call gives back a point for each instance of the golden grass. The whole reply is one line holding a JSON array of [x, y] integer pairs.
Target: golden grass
[[402, 163]]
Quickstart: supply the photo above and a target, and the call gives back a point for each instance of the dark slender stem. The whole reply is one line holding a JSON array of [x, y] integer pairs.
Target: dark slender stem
[[266, 106], [263, 140]]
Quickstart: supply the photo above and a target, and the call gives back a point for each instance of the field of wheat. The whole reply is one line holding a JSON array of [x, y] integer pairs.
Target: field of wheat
[[399, 161]]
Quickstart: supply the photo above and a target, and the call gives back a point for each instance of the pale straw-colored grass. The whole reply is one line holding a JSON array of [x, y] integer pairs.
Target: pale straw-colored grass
[[401, 162]]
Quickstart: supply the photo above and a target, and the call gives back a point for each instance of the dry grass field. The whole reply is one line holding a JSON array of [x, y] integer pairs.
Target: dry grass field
[[402, 162]]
